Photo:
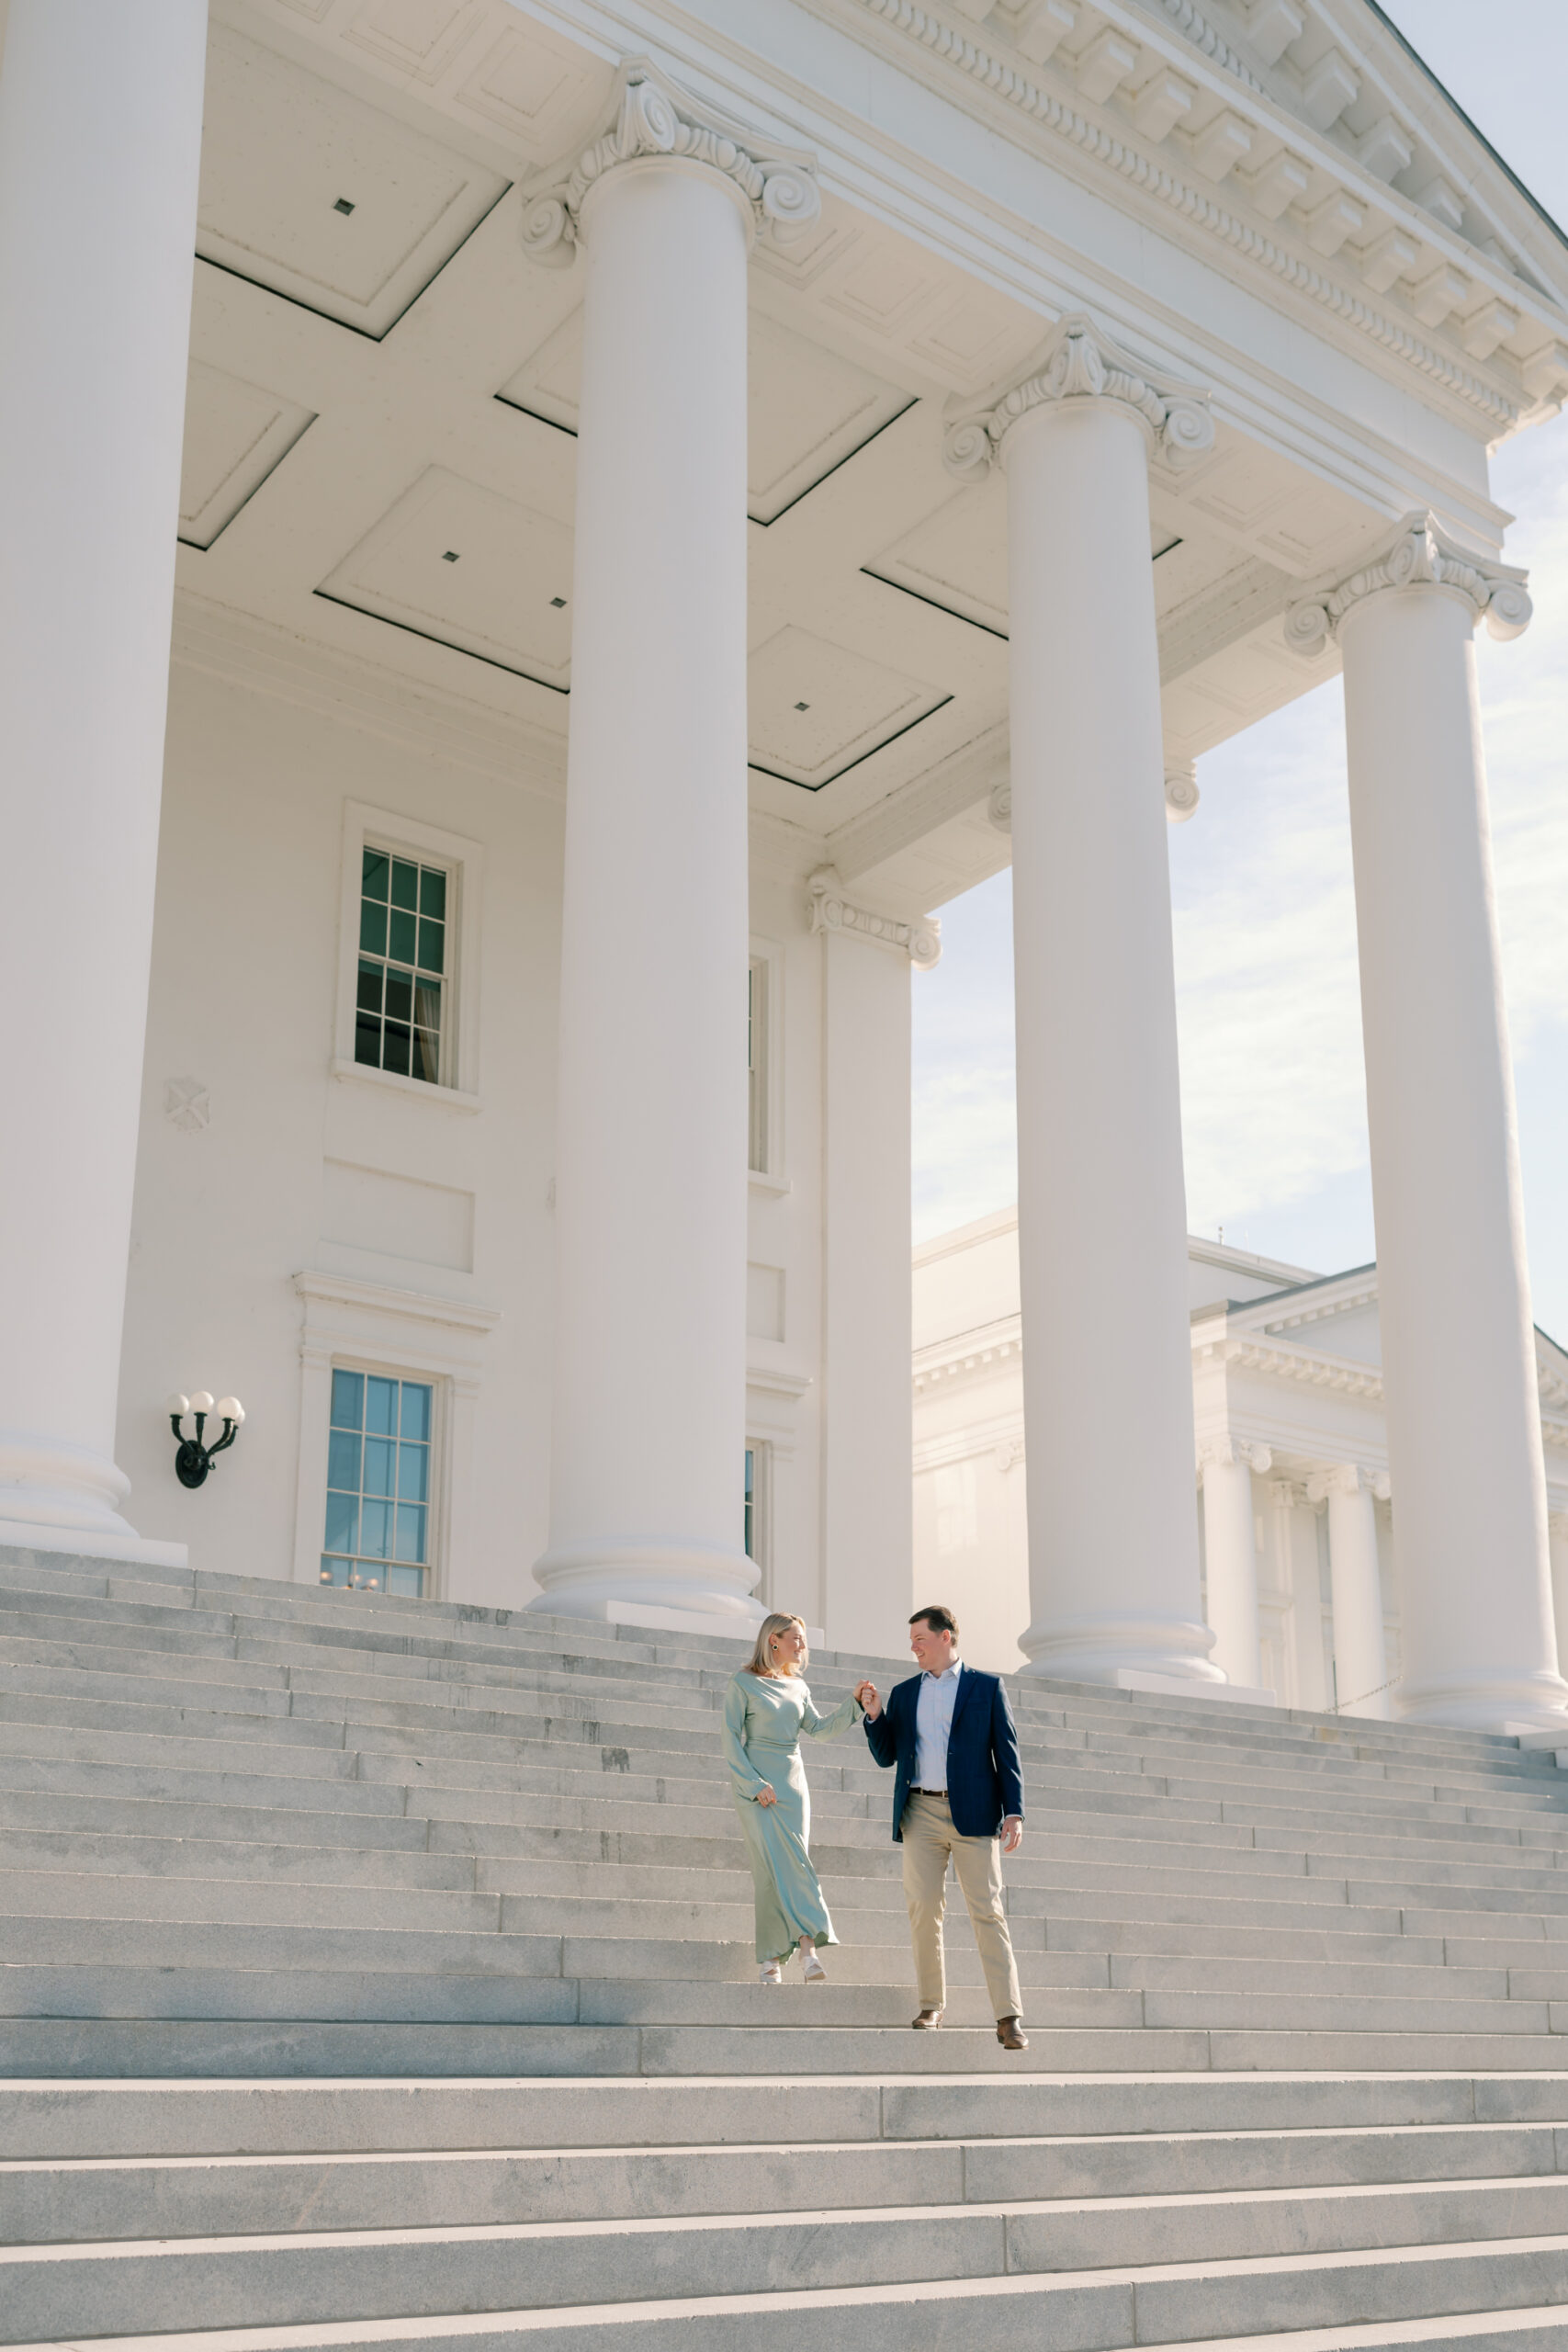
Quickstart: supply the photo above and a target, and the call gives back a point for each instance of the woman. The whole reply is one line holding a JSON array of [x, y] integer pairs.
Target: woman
[[766, 1708]]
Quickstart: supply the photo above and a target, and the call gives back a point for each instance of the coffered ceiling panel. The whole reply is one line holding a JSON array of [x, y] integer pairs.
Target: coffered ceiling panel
[[957, 558], [321, 197], [460, 564], [816, 709], [235, 434], [807, 408]]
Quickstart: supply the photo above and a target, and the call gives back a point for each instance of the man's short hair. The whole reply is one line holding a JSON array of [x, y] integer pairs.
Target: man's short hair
[[941, 1621]]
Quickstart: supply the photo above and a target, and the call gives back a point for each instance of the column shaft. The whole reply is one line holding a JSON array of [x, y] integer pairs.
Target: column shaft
[[100, 137], [1230, 1557], [1113, 1525], [867, 1436], [1360, 1667], [650, 1193], [1458, 1347]]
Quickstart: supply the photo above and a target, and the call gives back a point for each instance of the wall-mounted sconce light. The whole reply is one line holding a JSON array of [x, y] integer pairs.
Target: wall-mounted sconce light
[[194, 1459]]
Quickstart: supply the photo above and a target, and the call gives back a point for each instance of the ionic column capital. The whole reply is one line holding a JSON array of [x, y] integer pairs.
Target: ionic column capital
[[1079, 363], [648, 116], [1347, 1479], [828, 910], [1225, 1450], [1419, 554], [1287, 1494]]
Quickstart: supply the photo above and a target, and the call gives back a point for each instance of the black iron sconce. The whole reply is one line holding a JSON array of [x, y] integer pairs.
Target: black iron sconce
[[194, 1459]]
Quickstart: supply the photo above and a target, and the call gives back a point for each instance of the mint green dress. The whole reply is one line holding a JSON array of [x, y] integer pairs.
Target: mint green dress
[[762, 1723]]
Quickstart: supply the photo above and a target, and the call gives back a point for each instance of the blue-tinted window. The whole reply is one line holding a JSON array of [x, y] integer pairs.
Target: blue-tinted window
[[379, 1484], [402, 966]]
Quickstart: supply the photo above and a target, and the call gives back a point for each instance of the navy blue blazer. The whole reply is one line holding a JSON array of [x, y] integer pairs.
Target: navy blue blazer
[[985, 1779]]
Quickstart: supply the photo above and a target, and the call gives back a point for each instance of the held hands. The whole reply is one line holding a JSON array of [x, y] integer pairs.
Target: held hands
[[767, 1793], [866, 1692], [1012, 1834]]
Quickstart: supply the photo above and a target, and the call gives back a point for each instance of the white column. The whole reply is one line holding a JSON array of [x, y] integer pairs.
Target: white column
[[1106, 1361], [1230, 1553], [100, 139], [1297, 1565], [1462, 1406], [1557, 1533], [1360, 1670], [648, 1437], [865, 1417]]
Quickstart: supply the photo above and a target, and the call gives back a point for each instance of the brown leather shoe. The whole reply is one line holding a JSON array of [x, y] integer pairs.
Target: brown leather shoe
[[927, 2021], [1011, 2033]]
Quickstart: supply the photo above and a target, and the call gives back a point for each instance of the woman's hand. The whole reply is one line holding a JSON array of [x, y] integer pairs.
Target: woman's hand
[[867, 1695], [767, 1793]]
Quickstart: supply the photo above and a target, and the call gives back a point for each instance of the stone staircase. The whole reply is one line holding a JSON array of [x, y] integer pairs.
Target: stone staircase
[[378, 1974]]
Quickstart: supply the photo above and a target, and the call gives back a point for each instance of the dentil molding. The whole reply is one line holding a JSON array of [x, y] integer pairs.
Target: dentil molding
[[647, 115], [828, 910], [1418, 555], [1079, 362]]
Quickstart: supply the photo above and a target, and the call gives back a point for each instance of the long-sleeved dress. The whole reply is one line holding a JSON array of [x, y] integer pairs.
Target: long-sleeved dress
[[763, 1719]]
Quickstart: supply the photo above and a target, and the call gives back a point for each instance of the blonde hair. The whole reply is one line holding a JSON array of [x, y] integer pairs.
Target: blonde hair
[[759, 1662]]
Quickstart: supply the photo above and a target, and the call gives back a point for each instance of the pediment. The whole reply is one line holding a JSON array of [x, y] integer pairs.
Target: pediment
[[1336, 1317]]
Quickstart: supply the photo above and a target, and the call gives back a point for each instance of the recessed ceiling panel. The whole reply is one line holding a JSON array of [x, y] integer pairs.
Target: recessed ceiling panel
[[957, 559], [462, 565], [807, 408], [235, 434], [816, 709], [321, 198]]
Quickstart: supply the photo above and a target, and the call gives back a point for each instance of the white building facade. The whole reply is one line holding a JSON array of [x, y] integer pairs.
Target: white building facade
[[1299, 1527], [639, 501]]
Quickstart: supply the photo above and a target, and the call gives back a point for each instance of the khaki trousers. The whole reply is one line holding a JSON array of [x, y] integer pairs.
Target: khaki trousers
[[929, 1838]]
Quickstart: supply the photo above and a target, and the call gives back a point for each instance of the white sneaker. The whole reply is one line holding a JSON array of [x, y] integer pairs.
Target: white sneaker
[[813, 1971], [770, 1972]]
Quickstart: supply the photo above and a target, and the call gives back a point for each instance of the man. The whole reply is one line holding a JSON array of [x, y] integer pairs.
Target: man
[[951, 1734]]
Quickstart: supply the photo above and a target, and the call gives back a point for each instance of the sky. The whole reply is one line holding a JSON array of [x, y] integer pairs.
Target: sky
[[1273, 1090]]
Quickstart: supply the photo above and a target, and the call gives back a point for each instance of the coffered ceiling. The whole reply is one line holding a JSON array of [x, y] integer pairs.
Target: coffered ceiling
[[381, 447]]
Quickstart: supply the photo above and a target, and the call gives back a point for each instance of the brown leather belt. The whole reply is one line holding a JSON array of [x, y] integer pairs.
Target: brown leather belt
[[928, 1792]]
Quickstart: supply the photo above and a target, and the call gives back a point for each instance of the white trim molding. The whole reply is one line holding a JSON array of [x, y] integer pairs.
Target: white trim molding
[[827, 910], [1078, 361], [1419, 554], [649, 116], [367, 1326]]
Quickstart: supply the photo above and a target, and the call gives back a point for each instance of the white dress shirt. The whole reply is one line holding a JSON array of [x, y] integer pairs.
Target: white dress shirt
[[934, 1703]]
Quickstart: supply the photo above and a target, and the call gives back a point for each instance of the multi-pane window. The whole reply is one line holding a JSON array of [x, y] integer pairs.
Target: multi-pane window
[[379, 1484], [402, 966]]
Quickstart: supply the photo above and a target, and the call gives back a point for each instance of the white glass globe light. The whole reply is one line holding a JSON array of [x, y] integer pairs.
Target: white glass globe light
[[179, 1406], [201, 1402], [230, 1409]]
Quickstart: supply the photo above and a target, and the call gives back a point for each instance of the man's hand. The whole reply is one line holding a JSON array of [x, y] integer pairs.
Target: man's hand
[[1012, 1834], [866, 1692], [767, 1793]]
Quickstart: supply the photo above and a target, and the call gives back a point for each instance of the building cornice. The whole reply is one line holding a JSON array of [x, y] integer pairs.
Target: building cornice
[[647, 115], [1419, 554], [1486, 297]]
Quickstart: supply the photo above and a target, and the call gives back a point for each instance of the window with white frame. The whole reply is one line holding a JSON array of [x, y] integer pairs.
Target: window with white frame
[[409, 967], [401, 996], [756, 1511], [379, 1484]]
